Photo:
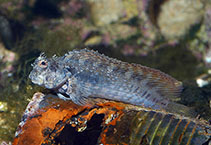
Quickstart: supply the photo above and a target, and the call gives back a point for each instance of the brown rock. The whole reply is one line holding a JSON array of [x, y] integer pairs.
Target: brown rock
[[50, 120]]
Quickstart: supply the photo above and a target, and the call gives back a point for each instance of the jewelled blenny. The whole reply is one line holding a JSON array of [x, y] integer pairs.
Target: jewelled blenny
[[83, 74]]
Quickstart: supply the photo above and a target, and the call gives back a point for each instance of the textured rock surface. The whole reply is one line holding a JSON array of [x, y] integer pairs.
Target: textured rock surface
[[50, 120], [176, 17]]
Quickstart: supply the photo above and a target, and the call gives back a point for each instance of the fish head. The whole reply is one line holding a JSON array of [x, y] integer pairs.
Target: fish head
[[49, 73]]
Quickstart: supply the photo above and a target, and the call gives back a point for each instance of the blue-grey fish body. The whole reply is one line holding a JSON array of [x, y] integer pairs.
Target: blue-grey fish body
[[82, 74]]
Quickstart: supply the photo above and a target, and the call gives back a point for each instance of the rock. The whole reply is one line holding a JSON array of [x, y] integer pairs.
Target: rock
[[50, 120], [3, 106], [6, 33], [104, 12], [177, 16]]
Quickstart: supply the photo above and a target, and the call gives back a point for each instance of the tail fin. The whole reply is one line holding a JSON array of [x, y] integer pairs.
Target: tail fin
[[181, 109], [167, 86]]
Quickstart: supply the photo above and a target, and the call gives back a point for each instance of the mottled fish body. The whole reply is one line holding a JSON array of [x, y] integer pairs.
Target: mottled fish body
[[81, 74]]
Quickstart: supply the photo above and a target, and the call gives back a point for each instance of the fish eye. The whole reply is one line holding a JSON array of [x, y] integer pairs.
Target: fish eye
[[43, 63]]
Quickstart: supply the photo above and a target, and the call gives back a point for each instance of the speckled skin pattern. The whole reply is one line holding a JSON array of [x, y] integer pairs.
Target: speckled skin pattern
[[81, 74]]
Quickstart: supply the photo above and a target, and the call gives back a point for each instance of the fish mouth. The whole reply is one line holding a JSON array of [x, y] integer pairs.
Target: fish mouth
[[38, 81]]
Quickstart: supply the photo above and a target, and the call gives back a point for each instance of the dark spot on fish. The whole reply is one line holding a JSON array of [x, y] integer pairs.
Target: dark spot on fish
[[136, 90], [71, 70], [137, 76], [153, 100], [53, 67], [151, 84], [144, 93], [148, 95], [163, 103], [116, 69], [160, 92], [100, 65]]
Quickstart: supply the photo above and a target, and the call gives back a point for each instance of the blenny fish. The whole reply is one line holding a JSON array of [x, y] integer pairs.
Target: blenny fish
[[83, 74]]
